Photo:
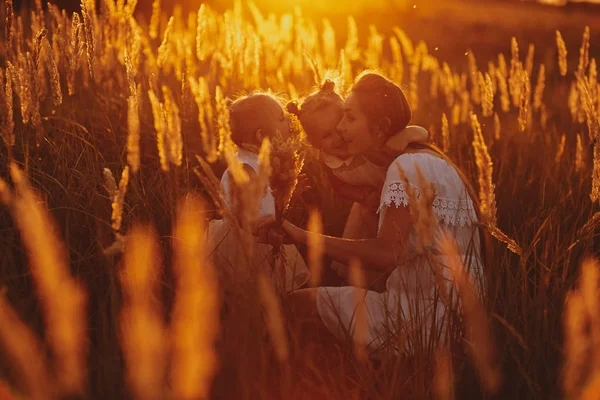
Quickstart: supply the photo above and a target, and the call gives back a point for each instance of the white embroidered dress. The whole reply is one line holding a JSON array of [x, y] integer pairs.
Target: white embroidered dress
[[410, 305], [225, 250]]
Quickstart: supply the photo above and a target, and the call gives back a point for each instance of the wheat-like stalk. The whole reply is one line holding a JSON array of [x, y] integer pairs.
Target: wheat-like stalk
[[175, 151], [87, 13], [143, 334], [529, 59], [445, 133], [497, 127], [561, 149], [315, 247], [56, 90], [8, 135], [274, 317], [62, 298], [485, 166], [579, 163], [584, 51], [444, 375], [524, 103], [195, 320], [562, 53], [164, 48], [21, 346], [476, 323], [539, 88], [160, 125], [357, 280], [154, 19]]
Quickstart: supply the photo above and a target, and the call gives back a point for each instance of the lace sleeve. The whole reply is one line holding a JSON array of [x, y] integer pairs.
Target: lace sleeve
[[448, 211]]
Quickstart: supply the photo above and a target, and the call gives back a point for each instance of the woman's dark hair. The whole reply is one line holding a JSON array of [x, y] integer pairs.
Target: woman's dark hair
[[380, 98]]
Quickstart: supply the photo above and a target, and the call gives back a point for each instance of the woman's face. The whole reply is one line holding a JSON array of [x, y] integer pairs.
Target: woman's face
[[354, 128], [321, 130]]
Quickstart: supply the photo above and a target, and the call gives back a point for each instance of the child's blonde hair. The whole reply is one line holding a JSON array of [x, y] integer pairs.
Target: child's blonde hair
[[248, 114], [324, 97]]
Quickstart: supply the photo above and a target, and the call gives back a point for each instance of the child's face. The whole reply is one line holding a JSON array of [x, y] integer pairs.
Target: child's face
[[321, 130], [276, 118]]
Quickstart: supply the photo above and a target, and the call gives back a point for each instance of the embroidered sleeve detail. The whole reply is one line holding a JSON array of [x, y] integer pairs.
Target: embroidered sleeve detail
[[448, 211]]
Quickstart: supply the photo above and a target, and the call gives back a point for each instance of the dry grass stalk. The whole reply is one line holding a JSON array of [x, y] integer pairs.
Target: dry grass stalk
[[62, 298], [175, 151], [211, 184], [8, 135], [196, 311], [589, 280], [274, 317], [357, 280], [154, 19], [473, 77], [223, 127], [26, 353], [425, 219], [87, 13], [445, 134], [143, 334], [584, 52], [576, 343], [133, 118], [54, 75], [539, 88], [497, 127], [562, 54], [587, 102], [524, 103], [476, 322], [579, 163], [443, 385], [485, 166], [9, 27], [487, 95], [165, 46], [561, 149], [75, 52], [529, 59], [205, 113], [161, 127], [315, 247], [503, 89], [119, 200]]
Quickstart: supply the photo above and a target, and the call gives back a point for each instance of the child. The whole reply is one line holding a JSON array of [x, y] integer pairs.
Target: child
[[252, 118]]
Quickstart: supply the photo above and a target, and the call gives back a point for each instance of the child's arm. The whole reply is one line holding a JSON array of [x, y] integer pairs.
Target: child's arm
[[365, 195], [398, 142], [396, 145]]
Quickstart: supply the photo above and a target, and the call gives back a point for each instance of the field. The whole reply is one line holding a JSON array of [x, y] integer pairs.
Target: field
[[114, 128]]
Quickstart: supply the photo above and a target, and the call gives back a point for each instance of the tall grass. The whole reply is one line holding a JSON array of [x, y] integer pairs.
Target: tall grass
[[103, 90]]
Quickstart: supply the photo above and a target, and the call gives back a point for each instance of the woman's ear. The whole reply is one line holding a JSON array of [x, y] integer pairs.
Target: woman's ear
[[260, 135], [383, 131]]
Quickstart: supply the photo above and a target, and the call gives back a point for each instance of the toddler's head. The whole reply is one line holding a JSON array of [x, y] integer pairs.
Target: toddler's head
[[255, 117], [319, 115]]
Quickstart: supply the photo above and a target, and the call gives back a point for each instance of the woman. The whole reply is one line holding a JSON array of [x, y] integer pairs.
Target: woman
[[357, 177], [410, 307]]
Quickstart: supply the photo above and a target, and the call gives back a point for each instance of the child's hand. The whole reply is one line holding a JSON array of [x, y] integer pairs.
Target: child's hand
[[365, 195], [398, 142]]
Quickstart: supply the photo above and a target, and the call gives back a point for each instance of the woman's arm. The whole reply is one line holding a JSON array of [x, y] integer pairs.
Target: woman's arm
[[380, 253]]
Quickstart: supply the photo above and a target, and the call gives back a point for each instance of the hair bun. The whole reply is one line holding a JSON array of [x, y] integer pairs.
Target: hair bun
[[292, 108], [328, 86]]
